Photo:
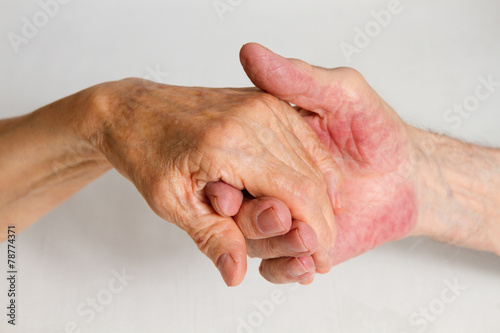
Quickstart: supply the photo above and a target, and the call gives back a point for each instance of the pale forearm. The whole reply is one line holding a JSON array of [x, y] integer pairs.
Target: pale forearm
[[43, 161], [459, 192]]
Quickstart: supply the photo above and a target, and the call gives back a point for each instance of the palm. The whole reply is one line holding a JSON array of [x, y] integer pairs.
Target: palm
[[370, 144]]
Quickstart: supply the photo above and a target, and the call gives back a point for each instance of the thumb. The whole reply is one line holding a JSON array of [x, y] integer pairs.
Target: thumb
[[292, 80], [220, 239]]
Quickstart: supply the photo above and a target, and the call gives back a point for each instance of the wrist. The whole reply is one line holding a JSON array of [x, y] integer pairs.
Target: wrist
[[49, 160], [74, 120], [457, 185]]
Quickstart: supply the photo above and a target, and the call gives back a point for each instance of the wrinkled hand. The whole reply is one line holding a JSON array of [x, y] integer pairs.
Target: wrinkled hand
[[170, 142], [367, 139]]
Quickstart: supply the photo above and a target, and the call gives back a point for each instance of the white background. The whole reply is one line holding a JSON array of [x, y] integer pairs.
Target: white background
[[426, 59]]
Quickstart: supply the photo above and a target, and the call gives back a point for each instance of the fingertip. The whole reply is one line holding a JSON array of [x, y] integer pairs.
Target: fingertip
[[232, 271], [296, 268], [282, 213], [263, 217], [308, 263], [215, 206], [338, 207], [304, 234], [300, 266], [268, 222], [226, 266], [225, 199], [287, 269], [249, 50], [229, 203], [323, 258], [220, 239], [266, 68], [335, 184], [307, 281], [276, 219]]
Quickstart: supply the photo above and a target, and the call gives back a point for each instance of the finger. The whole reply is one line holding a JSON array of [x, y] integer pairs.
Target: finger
[[220, 240], [257, 218], [263, 217], [295, 81], [300, 241], [225, 199], [288, 270]]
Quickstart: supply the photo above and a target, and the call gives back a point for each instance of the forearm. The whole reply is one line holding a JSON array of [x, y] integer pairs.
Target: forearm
[[43, 161], [459, 192]]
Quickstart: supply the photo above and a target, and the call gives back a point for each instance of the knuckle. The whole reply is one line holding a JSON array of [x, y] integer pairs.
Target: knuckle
[[157, 195], [350, 73], [266, 248], [263, 249], [261, 101], [207, 239], [262, 269], [216, 238], [251, 249], [225, 130], [352, 81], [248, 229], [262, 108], [268, 271]]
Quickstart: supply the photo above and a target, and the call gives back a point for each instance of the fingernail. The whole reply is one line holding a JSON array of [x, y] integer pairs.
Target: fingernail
[[295, 267], [268, 222], [226, 266], [294, 243], [217, 208], [338, 201]]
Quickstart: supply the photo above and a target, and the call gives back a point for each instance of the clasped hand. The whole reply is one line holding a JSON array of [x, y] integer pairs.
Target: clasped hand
[[172, 141], [192, 151], [245, 173]]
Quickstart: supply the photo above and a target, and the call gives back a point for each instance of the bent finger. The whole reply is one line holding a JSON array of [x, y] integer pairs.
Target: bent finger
[[263, 218], [300, 241], [288, 270], [220, 240], [225, 199]]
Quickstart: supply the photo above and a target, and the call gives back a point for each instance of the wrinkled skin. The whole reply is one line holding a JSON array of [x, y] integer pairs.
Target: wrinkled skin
[[367, 139], [172, 141]]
